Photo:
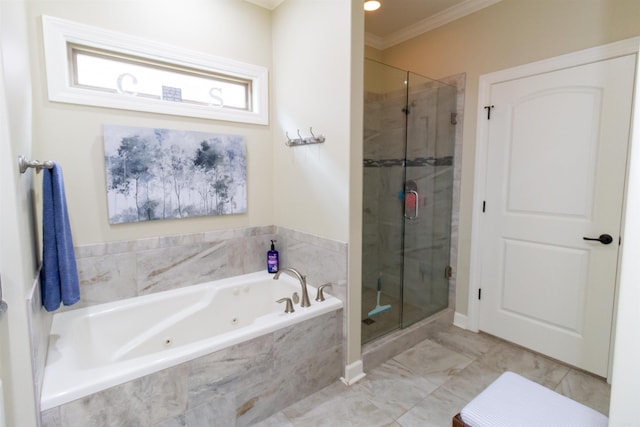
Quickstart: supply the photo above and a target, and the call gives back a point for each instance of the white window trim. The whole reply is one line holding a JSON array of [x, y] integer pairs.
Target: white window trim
[[58, 33]]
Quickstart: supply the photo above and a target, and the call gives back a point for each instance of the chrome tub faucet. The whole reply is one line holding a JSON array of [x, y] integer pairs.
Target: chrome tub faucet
[[303, 282]]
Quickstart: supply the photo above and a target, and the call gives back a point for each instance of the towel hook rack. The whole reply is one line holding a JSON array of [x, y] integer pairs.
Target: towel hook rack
[[300, 140], [25, 164]]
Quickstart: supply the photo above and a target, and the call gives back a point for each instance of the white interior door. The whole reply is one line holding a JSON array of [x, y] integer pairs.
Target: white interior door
[[556, 161], [5, 167]]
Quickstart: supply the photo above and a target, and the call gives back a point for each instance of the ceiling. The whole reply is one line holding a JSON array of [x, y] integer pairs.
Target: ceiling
[[400, 20]]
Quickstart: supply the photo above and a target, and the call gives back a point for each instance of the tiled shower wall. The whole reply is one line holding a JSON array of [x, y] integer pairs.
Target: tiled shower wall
[[429, 122], [384, 135], [459, 82]]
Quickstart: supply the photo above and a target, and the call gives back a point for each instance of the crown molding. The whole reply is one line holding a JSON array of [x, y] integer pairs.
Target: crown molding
[[374, 41], [439, 19], [267, 4]]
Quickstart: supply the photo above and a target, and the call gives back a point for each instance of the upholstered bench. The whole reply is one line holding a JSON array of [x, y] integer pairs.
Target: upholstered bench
[[514, 401]]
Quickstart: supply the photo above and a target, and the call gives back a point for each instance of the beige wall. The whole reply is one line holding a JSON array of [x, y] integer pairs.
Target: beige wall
[[18, 258], [72, 134], [507, 34], [372, 53], [311, 87], [313, 84]]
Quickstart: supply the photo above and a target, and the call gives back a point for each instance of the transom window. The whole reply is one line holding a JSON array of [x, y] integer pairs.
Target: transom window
[[127, 75], [92, 66]]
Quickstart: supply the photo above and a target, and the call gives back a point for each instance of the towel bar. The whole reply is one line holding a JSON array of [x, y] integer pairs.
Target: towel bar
[[25, 164]]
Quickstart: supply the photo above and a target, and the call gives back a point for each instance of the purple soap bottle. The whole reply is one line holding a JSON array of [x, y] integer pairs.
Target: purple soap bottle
[[273, 263]]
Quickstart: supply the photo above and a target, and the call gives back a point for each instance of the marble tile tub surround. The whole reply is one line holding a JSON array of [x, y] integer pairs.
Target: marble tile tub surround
[[428, 383], [322, 260], [237, 386], [117, 270], [39, 326]]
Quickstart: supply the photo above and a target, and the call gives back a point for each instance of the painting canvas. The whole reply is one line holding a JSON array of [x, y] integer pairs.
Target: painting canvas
[[165, 174]]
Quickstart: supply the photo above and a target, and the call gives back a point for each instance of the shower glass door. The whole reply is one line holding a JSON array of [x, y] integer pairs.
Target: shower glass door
[[428, 196], [384, 175], [408, 181]]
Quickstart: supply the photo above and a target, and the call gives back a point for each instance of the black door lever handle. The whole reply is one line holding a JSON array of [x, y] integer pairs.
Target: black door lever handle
[[605, 239]]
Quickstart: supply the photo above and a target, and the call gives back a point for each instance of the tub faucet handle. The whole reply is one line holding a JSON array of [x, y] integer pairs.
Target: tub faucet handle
[[289, 306], [320, 295]]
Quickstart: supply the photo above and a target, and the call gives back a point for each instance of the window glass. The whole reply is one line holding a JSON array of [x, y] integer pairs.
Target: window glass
[[139, 77]]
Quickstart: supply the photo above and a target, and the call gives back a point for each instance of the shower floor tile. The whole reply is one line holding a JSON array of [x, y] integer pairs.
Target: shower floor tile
[[429, 383], [388, 321]]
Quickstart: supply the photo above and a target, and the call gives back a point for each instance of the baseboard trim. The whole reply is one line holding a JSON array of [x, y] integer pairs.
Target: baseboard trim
[[460, 320], [353, 373]]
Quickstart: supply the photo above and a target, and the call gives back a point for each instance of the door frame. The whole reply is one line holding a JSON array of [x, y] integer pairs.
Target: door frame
[[596, 54]]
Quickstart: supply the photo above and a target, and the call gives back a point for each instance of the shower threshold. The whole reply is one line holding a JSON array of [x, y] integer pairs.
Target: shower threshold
[[378, 351]]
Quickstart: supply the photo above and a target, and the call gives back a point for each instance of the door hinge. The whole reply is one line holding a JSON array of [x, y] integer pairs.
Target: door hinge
[[448, 272], [454, 118], [479, 293], [489, 108], [484, 206]]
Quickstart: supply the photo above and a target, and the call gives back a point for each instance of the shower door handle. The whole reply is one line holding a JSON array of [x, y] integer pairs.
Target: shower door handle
[[411, 204]]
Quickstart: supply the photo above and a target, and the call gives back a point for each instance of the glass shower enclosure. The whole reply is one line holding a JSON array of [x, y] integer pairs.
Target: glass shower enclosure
[[409, 134]]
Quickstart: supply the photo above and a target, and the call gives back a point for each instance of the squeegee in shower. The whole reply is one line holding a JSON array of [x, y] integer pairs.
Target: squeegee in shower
[[379, 308]]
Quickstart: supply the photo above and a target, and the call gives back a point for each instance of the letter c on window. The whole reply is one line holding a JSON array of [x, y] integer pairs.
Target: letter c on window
[[133, 80]]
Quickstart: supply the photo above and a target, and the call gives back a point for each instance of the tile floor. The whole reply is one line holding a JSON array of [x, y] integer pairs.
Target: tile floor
[[429, 383]]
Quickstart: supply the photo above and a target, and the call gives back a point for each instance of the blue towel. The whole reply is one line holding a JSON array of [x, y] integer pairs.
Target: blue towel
[[59, 275]]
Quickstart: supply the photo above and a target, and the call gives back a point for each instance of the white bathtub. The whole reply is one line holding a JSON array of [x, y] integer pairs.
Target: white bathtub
[[95, 348]]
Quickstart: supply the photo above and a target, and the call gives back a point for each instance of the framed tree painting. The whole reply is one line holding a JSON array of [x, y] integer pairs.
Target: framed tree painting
[[156, 174]]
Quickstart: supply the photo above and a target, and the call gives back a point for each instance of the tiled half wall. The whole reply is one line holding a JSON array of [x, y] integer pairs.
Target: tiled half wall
[[117, 270]]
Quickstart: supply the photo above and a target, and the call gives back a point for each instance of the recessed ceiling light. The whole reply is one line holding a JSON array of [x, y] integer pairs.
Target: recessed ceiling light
[[370, 5]]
